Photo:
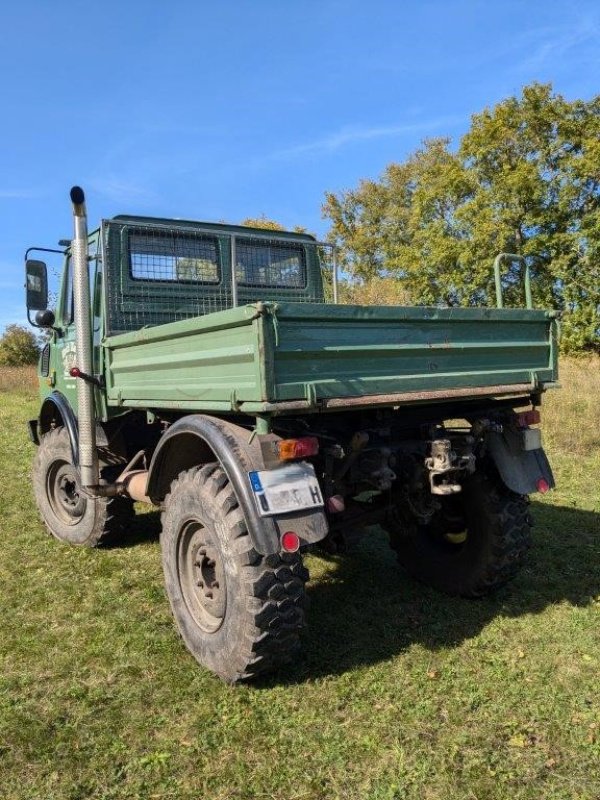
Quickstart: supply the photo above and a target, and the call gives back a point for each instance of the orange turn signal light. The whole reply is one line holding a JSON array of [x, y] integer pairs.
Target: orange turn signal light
[[304, 447]]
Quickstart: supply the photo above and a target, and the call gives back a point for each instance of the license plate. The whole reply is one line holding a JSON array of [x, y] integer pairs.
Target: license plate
[[293, 487]]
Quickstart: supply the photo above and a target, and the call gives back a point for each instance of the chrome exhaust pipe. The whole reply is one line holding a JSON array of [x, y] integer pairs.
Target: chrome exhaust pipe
[[88, 455]]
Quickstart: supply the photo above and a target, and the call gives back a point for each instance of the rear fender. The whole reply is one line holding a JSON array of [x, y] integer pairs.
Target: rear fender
[[198, 439], [520, 469]]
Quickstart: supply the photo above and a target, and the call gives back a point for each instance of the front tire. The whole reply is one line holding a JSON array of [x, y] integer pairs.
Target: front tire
[[68, 513], [240, 613], [482, 548]]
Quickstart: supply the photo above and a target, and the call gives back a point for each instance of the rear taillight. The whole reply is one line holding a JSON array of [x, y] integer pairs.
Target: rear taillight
[[304, 447], [527, 418], [542, 485], [290, 542]]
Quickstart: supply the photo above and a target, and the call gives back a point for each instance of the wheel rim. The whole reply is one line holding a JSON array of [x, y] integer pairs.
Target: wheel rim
[[63, 492], [201, 576]]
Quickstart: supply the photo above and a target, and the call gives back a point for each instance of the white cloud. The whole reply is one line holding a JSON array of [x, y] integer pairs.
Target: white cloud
[[352, 134], [550, 44], [19, 194], [127, 192]]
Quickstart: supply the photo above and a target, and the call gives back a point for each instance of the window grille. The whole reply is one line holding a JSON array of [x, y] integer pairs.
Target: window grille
[[156, 272]]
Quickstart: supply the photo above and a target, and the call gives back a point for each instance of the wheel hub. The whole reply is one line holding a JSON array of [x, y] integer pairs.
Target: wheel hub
[[63, 493], [202, 576], [209, 579]]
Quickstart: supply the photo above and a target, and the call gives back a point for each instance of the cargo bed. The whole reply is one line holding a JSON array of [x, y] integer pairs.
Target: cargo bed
[[284, 357]]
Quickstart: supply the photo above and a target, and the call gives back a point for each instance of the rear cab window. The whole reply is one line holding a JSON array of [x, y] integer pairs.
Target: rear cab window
[[171, 258], [274, 265]]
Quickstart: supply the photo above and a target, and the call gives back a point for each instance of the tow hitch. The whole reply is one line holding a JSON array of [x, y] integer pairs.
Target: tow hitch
[[443, 463]]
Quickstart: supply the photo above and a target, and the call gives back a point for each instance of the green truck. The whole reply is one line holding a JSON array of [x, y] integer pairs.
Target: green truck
[[201, 368]]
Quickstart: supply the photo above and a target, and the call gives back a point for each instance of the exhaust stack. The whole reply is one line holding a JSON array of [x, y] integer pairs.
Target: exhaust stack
[[88, 456]]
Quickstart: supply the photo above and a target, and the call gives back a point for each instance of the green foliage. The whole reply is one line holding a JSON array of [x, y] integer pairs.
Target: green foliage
[[374, 292], [262, 222], [18, 347], [525, 179], [269, 224]]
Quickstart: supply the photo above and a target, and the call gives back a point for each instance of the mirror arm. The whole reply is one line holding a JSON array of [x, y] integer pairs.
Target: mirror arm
[[31, 322], [57, 330]]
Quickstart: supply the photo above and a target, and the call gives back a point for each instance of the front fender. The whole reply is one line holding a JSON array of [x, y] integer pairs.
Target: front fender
[[520, 469], [198, 439], [57, 409]]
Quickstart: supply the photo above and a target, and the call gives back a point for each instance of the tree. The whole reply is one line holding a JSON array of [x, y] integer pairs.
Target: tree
[[18, 347], [269, 224], [525, 179], [262, 222]]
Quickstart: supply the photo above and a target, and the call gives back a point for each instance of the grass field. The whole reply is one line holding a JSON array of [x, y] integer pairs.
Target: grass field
[[400, 693]]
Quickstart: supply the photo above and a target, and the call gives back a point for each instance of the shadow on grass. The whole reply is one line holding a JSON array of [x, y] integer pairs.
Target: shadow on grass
[[365, 609], [144, 527]]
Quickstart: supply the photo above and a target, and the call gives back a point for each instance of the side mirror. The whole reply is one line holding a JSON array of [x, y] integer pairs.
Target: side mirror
[[36, 286], [45, 318]]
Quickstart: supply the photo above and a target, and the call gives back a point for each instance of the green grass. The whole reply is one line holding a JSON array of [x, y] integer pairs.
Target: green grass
[[400, 693]]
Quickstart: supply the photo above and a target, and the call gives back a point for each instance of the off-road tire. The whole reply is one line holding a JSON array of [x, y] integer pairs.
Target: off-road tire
[[67, 513], [498, 530], [251, 622]]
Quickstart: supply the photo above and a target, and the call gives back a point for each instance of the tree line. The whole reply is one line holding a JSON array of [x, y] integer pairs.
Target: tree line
[[524, 179]]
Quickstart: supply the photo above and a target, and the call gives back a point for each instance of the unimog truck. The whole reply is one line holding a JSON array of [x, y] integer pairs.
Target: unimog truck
[[198, 367]]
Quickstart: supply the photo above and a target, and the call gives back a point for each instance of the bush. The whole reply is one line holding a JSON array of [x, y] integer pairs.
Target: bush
[[18, 347]]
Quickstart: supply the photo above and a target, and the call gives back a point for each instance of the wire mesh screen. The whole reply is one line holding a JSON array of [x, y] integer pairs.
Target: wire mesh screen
[[173, 258], [270, 264], [157, 273]]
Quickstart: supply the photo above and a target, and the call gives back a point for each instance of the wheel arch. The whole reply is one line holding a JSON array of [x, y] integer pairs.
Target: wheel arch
[[56, 410], [198, 439]]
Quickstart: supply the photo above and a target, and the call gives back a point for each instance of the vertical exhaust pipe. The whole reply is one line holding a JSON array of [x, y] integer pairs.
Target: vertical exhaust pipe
[[88, 456]]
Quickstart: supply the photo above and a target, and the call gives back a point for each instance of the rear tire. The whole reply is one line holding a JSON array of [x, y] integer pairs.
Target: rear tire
[[481, 558], [67, 513], [240, 613]]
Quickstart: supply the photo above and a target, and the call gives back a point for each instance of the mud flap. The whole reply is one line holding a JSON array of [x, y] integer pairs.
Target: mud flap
[[32, 427], [520, 469], [311, 526]]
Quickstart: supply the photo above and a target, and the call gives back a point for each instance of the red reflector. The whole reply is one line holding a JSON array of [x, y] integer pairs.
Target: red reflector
[[74, 372], [526, 418], [542, 485], [298, 448], [307, 446], [290, 542]]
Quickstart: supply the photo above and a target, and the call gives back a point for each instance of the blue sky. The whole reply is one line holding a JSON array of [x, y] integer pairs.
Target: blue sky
[[223, 110]]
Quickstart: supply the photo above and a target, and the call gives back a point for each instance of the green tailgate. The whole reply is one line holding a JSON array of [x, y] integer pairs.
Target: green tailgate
[[254, 358], [348, 351]]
